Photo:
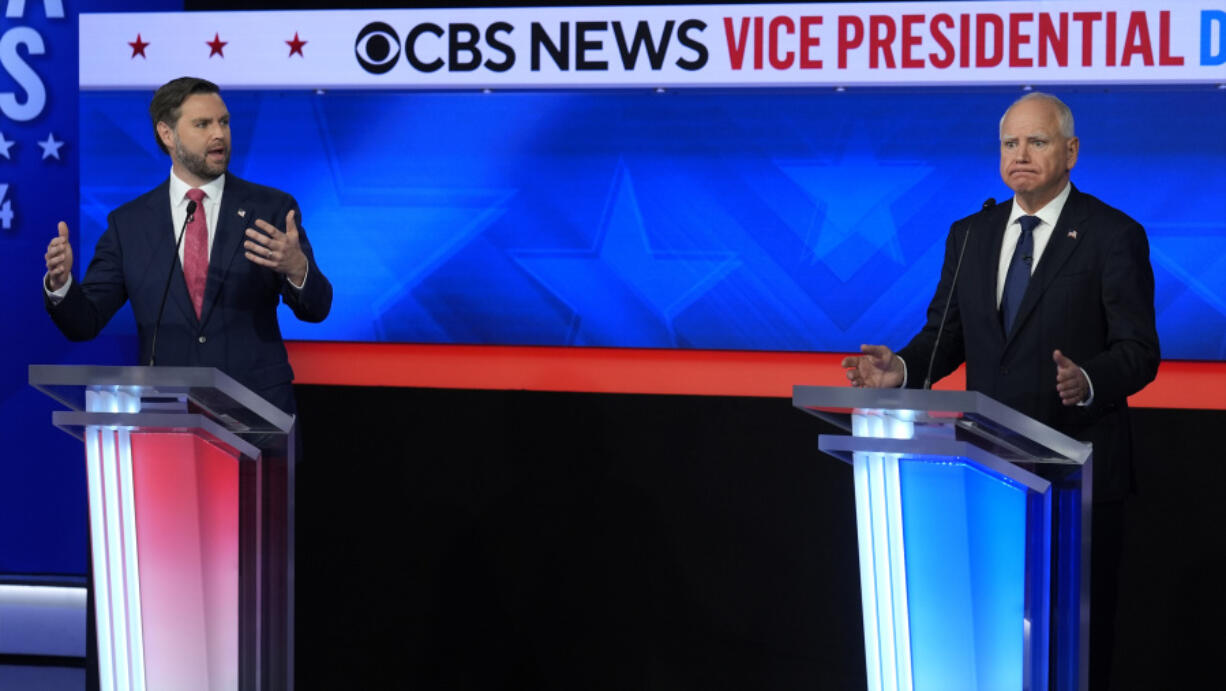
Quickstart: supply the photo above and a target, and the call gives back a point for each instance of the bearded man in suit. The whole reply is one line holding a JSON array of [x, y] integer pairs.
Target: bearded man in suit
[[223, 307], [1053, 314], [219, 309]]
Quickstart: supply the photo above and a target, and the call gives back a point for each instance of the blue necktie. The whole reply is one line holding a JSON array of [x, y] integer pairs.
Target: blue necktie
[[1019, 272]]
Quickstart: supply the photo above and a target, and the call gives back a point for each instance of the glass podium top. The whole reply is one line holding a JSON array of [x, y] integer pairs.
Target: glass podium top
[[203, 390], [964, 415]]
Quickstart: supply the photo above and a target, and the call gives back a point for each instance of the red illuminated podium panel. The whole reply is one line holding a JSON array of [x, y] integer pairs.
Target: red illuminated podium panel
[[190, 484]]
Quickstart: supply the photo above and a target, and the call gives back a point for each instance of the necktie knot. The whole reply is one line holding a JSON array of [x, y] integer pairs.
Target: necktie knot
[[1029, 223], [197, 195]]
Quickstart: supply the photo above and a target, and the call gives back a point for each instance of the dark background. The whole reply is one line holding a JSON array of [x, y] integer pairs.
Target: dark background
[[534, 540]]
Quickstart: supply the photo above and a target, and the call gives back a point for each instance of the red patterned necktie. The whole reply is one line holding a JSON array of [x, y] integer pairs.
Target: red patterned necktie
[[196, 252]]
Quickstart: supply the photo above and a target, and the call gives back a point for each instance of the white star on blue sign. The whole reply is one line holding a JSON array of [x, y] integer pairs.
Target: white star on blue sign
[[51, 147]]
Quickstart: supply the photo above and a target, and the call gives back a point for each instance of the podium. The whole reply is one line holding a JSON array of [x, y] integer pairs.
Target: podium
[[973, 525], [190, 481]]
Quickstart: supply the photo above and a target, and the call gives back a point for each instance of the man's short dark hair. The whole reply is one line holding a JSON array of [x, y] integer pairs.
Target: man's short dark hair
[[168, 99]]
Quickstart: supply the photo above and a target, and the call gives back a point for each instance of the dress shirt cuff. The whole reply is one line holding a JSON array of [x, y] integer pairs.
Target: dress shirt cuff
[[305, 275], [56, 296], [1089, 399], [904, 371]]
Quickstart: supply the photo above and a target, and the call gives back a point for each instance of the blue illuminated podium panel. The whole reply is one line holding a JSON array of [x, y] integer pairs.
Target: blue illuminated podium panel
[[973, 530]]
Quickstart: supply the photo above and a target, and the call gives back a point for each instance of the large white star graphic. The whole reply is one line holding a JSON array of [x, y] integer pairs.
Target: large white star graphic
[[51, 147], [5, 145]]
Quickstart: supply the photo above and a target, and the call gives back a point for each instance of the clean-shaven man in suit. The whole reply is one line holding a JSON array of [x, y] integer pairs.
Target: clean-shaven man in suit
[[1053, 314], [241, 253]]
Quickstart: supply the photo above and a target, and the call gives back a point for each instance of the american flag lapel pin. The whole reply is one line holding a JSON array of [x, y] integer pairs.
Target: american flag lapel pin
[[242, 213], [1073, 233]]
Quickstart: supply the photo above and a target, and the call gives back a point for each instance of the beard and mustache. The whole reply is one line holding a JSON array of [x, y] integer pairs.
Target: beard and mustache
[[198, 164]]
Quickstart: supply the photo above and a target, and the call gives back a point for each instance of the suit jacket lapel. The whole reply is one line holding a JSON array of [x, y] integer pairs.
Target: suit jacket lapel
[[227, 242], [1059, 248], [988, 260]]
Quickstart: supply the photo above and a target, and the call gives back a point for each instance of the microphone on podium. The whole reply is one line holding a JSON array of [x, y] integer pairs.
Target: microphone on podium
[[153, 348], [970, 224]]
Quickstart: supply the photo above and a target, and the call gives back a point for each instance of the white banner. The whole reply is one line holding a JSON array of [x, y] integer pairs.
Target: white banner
[[871, 44]]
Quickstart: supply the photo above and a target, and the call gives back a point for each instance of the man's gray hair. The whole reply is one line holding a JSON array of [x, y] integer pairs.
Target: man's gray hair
[[1062, 112]]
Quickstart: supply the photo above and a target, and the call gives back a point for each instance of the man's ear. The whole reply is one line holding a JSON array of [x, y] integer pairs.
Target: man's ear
[[1074, 145], [166, 134]]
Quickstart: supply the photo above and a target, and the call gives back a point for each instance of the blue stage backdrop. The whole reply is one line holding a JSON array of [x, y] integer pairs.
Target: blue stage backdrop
[[738, 219]]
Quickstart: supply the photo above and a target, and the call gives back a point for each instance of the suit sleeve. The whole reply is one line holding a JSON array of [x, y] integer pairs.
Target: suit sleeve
[[951, 350], [314, 301], [1132, 354], [92, 301]]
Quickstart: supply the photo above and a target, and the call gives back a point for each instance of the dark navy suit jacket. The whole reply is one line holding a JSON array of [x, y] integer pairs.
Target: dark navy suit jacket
[[238, 331], [1091, 296]]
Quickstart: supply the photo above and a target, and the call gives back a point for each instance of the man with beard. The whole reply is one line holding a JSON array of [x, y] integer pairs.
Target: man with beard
[[221, 310]]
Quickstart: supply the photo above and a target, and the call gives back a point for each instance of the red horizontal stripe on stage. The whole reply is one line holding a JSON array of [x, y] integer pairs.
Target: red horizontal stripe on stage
[[1180, 384]]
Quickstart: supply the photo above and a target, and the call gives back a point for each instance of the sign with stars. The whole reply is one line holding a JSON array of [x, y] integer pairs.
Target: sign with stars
[[750, 219], [801, 44]]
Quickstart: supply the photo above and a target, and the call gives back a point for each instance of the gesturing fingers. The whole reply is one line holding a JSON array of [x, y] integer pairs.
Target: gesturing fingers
[[264, 246], [291, 228], [58, 257], [1071, 385], [273, 249], [1072, 391], [851, 366]]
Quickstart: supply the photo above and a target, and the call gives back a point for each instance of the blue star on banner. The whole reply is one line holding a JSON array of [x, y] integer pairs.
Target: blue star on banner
[[5, 146], [853, 195], [624, 291], [51, 147]]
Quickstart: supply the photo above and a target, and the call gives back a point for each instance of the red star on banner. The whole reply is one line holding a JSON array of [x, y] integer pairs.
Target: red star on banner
[[138, 47], [295, 46], [216, 44]]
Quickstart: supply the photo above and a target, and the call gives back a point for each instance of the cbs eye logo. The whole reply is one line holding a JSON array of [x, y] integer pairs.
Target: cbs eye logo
[[377, 48]]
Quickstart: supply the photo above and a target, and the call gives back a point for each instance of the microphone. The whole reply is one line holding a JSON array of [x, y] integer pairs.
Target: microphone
[[970, 224], [191, 213]]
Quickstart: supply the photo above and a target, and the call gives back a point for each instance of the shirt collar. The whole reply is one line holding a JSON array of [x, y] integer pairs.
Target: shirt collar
[[178, 189], [1049, 214]]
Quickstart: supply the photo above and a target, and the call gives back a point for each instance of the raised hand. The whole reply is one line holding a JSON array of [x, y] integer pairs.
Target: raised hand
[[281, 252], [1071, 382], [59, 259], [877, 368]]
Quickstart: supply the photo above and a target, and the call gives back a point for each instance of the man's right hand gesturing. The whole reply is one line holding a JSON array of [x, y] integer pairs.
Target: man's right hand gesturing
[[877, 368], [59, 259]]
